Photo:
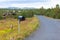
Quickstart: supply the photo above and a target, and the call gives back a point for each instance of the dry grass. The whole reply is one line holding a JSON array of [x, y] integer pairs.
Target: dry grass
[[26, 27]]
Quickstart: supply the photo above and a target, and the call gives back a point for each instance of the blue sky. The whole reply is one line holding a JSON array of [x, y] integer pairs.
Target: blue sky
[[29, 3]]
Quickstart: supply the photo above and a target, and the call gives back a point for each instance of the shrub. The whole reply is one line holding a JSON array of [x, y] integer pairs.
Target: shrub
[[27, 13], [1, 17]]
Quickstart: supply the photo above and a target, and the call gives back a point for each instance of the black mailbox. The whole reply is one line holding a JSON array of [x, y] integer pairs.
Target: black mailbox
[[21, 18]]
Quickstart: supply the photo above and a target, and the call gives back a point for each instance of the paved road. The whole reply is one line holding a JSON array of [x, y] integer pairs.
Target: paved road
[[49, 29]]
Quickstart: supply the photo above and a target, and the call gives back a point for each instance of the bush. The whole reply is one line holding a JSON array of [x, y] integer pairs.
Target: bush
[[1, 17], [27, 13]]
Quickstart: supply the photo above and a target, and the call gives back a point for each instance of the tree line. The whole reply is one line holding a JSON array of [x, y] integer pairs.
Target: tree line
[[50, 12]]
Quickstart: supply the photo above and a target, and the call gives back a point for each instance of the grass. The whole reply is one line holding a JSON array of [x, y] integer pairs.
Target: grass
[[26, 27]]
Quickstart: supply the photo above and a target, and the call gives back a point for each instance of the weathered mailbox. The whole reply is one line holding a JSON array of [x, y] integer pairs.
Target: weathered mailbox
[[21, 18]]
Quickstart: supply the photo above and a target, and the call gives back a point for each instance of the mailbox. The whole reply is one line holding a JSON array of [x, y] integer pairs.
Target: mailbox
[[21, 18]]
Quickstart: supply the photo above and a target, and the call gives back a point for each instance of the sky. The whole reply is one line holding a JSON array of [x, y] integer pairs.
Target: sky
[[29, 3]]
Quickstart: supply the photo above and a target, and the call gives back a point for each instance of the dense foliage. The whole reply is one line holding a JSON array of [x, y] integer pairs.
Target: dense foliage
[[51, 12]]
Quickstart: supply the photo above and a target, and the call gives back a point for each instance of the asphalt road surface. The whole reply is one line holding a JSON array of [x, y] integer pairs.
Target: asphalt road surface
[[49, 29]]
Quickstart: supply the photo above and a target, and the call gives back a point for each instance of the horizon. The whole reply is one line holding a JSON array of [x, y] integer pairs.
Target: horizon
[[29, 3]]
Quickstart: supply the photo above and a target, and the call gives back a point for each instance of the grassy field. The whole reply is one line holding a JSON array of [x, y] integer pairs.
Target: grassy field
[[26, 27]]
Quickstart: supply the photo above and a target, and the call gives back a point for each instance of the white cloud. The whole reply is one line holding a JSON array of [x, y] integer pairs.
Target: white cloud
[[10, 0], [48, 4], [2, 0], [36, 5]]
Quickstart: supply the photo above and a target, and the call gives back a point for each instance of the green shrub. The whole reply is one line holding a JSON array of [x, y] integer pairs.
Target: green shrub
[[27, 13], [1, 17]]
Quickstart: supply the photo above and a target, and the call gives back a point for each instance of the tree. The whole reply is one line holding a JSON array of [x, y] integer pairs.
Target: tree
[[57, 6], [42, 11]]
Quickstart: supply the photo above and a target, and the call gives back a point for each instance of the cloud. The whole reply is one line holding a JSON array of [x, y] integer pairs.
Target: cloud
[[29, 3], [35, 5], [22, 1]]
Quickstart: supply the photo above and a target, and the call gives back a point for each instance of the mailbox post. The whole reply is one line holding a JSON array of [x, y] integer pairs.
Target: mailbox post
[[19, 17]]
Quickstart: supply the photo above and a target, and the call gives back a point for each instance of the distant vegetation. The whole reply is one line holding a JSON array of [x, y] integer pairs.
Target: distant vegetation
[[50, 12], [14, 13]]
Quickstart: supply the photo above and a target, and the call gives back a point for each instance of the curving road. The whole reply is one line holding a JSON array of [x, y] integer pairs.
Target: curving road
[[49, 29]]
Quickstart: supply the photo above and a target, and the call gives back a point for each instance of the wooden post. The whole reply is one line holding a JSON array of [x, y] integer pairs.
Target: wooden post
[[18, 25]]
